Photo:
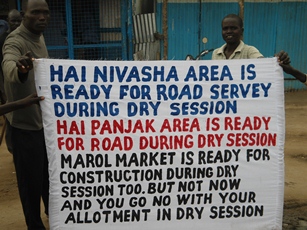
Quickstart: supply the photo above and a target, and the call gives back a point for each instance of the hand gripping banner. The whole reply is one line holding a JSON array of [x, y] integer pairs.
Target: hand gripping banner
[[164, 144]]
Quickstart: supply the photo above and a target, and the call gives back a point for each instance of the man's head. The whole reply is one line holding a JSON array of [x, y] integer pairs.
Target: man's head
[[35, 15], [232, 29], [14, 19]]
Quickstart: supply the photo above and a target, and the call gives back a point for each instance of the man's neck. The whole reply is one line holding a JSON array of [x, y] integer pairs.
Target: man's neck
[[229, 49]]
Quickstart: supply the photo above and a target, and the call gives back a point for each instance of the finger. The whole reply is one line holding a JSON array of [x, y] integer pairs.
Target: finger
[[284, 58], [25, 63], [32, 95], [287, 61], [284, 55], [29, 55], [21, 67], [279, 54], [38, 99]]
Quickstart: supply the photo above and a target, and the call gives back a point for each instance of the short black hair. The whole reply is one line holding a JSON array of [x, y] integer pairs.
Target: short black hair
[[235, 17], [13, 11]]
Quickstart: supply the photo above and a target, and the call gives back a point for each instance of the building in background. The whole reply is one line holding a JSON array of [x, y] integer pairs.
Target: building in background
[[170, 29]]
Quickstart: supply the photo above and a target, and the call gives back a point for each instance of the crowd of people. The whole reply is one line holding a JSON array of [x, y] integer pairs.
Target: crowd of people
[[21, 44]]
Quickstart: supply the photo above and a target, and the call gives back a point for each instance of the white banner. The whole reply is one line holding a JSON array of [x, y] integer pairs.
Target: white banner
[[164, 144]]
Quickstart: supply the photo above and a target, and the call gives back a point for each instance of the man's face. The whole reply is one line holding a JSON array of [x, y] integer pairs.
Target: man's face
[[231, 31], [36, 16], [14, 20]]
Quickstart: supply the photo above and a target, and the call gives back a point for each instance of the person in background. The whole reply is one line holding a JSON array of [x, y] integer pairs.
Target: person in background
[[3, 26], [14, 19], [29, 151]]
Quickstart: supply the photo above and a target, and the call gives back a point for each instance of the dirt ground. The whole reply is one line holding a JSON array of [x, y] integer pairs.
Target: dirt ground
[[295, 199]]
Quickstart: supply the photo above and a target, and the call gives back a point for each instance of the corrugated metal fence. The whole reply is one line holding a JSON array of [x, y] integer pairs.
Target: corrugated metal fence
[[145, 45], [103, 29], [269, 25]]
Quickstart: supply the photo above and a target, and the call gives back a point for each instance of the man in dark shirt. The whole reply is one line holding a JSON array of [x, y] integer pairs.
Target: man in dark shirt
[[20, 48]]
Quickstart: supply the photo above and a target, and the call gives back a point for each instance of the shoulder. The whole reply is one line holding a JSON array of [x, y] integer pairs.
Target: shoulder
[[13, 45], [220, 49], [218, 53], [248, 47], [15, 34], [15, 38], [251, 51]]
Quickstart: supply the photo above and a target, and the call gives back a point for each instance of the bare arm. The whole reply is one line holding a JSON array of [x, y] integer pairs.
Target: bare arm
[[284, 62], [294, 72], [19, 104]]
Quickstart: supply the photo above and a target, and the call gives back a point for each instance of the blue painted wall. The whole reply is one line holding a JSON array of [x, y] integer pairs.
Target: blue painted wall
[[212, 15], [189, 22], [268, 25], [275, 26]]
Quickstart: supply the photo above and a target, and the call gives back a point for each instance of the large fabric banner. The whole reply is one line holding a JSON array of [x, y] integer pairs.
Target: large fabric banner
[[164, 144]]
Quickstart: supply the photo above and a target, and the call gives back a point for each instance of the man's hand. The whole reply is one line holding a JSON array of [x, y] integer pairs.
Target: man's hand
[[30, 100], [25, 63], [284, 62], [19, 104], [283, 58]]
